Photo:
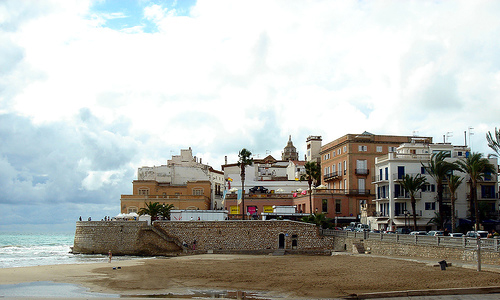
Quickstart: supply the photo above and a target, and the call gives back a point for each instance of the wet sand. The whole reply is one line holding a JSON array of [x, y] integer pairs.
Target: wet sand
[[290, 276]]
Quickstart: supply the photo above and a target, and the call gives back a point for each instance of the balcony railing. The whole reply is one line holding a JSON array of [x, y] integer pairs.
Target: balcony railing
[[332, 176], [409, 214], [403, 195], [358, 192], [362, 171], [377, 178]]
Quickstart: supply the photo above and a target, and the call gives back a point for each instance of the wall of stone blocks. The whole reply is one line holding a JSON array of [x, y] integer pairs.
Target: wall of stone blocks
[[98, 237], [247, 235], [424, 251], [136, 238]]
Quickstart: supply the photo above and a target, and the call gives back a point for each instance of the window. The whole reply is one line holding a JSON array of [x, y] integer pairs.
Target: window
[[488, 191], [430, 205], [392, 149], [399, 208], [401, 172], [345, 167], [132, 209], [338, 151], [324, 205], [361, 185], [345, 149], [327, 156], [197, 191], [362, 148], [379, 148], [143, 191], [338, 206]]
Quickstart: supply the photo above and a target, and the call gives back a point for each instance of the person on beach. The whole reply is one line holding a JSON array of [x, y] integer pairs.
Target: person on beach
[[110, 255]]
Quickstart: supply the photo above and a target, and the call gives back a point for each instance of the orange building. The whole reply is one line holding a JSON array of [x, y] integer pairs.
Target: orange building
[[346, 165], [192, 195]]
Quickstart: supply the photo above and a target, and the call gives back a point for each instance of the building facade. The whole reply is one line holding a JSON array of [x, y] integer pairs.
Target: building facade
[[345, 166], [184, 181], [392, 203]]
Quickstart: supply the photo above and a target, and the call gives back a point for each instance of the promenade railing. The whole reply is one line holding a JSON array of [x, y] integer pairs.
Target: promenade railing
[[490, 244]]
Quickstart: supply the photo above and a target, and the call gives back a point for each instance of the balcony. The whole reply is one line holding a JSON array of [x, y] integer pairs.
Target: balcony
[[378, 178], [409, 214], [362, 171], [358, 192], [402, 195], [332, 176]]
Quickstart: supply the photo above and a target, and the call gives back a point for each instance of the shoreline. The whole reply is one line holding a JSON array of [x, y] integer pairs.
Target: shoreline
[[290, 276]]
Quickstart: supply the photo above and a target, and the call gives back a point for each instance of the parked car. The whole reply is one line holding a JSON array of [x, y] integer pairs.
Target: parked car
[[362, 227], [436, 233], [260, 189], [457, 234], [403, 230], [474, 234], [418, 233]]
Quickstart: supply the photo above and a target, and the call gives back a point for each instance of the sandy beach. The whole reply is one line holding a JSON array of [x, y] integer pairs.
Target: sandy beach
[[291, 276]]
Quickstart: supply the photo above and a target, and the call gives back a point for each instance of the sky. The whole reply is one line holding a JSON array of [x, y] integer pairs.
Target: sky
[[91, 90]]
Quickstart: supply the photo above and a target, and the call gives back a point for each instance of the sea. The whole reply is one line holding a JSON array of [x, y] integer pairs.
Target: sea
[[37, 249]]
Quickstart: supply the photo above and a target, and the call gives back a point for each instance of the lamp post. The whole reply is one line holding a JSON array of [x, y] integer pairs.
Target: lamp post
[[405, 212]]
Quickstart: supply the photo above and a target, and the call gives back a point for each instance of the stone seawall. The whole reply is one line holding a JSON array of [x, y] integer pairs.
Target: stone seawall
[[168, 237], [410, 250]]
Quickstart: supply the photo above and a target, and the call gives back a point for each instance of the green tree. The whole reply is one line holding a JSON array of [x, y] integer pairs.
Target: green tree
[[319, 219], [245, 159], [152, 208], [313, 174], [494, 140], [454, 182], [439, 169], [165, 210], [412, 184], [478, 168]]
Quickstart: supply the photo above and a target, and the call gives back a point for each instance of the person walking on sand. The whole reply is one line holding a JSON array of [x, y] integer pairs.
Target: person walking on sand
[[110, 255]]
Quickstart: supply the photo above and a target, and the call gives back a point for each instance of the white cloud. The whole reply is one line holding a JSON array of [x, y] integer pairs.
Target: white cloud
[[234, 74]]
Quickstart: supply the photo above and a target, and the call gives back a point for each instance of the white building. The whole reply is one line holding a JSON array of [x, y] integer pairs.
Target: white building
[[276, 175], [393, 205], [183, 168]]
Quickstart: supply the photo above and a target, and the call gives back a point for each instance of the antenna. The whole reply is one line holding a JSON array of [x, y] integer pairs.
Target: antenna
[[470, 133], [449, 134]]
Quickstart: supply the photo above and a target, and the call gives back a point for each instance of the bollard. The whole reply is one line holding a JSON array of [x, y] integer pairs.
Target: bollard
[[443, 265]]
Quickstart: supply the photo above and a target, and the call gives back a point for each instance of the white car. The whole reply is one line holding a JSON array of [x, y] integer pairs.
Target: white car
[[457, 235], [436, 233], [418, 233]]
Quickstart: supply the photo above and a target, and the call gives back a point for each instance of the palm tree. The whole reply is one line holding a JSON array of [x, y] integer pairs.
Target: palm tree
[[439, 169], [152, 209], [313, 174], [412, 184], [319, 219], [454, 182], [165, 210], [243, 161], [494, 141], [477, 167]]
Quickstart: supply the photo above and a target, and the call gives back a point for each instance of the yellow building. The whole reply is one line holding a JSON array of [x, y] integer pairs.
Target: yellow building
[[192, 195]]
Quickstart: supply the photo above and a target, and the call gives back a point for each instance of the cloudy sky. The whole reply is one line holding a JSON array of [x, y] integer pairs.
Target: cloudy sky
[[92, 90]]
